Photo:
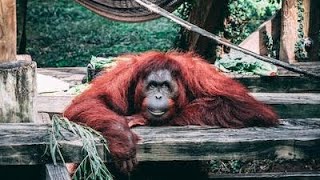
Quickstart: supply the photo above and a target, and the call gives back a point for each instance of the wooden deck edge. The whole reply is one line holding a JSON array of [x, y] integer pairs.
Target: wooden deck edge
[[27, 143], [284, 82], [54, 172], [287, 105]]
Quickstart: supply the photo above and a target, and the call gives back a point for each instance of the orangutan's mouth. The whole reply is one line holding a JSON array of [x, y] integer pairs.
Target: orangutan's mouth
[[156, 113]]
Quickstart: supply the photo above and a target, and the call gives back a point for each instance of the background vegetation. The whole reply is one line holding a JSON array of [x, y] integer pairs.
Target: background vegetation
[[63, 33], [246, 16]]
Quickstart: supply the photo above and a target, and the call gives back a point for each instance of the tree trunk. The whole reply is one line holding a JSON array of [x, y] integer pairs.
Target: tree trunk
[[289, 26], [209, 15], [8, 32]]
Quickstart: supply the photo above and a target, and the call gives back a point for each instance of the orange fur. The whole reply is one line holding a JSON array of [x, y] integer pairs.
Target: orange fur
[[114, 101]]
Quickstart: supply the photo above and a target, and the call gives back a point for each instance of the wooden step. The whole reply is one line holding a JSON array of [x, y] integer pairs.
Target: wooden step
[[285, 82], [27, 143], [287, 105]]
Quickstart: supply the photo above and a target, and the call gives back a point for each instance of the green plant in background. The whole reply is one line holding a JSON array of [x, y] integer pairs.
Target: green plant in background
[[184, 10], [231, 166], [246, 15], [271, 44], [299, 50], [91, 166], [241, 63], [63, 33]]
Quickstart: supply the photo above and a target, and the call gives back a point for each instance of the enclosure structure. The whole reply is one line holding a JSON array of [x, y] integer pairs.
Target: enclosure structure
[[17, 72], [295, 98], [297, 138], [295, 27]]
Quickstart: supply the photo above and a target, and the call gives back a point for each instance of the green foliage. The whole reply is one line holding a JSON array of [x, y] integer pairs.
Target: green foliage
[[232, 166], [184, 10], [92, 166], [272, 45], [299, 49], [243, 64], [100, 62], [78, 89], [63, 33], [246, 15]]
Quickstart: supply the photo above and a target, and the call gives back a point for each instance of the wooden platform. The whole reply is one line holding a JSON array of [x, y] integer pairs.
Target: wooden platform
[[299, 139], [295, 98], [288, 105], [285, 82], [25, 143]]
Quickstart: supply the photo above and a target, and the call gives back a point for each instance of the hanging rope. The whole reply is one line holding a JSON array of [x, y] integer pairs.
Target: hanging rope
[[191, 27]]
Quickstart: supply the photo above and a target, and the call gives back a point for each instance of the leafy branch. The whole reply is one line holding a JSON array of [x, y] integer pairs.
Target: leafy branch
[[91, 166]]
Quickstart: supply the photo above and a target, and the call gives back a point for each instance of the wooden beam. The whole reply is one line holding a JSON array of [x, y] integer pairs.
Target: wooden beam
[[54, 172], [285, 82], [288, 98], [289, 27], [25, 143], [279, 84], [288, 105], [8, 30], [53, 104]]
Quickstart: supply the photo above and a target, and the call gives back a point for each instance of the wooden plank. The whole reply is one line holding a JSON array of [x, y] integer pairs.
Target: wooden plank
[[273, 175], [54, 172], [288, 98], [288, 105], [42, 118], [53, 104], [25, 143], [285, 82], [71, 75], [279, 84], [314, 67], [8, 30], [297, 110]]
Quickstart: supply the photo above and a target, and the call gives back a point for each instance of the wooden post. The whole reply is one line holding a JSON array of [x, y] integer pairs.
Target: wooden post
[[56, 172], [17, 73], [289, 26], [8, 30], [306, 17], [209, 15]]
